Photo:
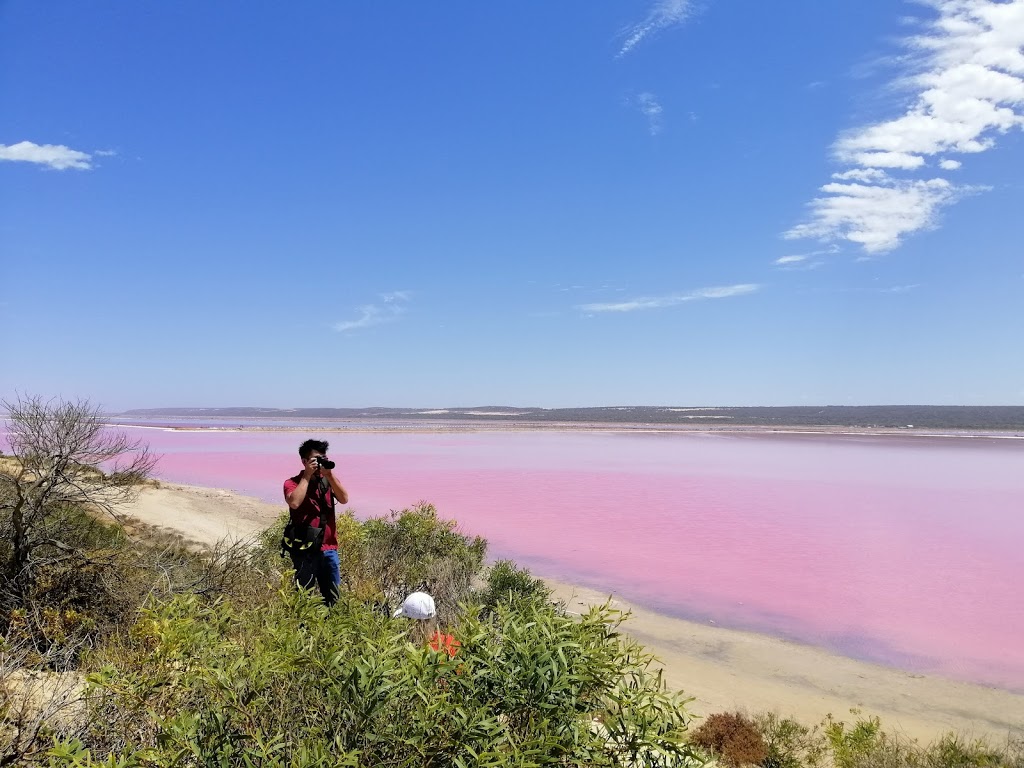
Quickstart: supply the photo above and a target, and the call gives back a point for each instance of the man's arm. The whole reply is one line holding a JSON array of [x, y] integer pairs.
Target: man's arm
[[336, 487], [297, 495]]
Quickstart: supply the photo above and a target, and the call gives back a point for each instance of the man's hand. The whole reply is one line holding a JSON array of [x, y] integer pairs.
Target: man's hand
[[311, 468]]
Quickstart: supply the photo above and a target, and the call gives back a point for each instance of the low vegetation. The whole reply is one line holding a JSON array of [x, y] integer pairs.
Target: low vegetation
[[125, 647], [771, 741], [863, 743], [733, 738]]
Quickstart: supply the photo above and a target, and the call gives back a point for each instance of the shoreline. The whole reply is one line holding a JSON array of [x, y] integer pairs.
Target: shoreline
[[729, 669], [443, 426], [723, 669]]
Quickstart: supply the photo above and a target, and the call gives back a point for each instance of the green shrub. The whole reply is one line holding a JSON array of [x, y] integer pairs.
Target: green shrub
[[733, 738], [413, 550], [954, 751], [790, 744], [93, 580], [383, 559], [506, 582], [293, 683], [77, 594], [864, 743]]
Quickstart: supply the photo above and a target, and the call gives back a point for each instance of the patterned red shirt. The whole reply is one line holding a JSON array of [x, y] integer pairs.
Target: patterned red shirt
[[316, 504]]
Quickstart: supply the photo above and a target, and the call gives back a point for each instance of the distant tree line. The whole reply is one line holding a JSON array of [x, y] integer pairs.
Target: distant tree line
[[984, 417]]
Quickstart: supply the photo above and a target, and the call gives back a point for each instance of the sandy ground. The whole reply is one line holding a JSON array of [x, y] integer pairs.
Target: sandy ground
[[722, 669], [726, 669]]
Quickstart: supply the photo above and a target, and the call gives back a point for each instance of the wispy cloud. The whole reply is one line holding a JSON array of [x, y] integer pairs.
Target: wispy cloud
[[901, 288], [658, 302], [369, 314], [649, 107], [664, 14], [389, 309], [55, 156], [805, 260], [965, 77]]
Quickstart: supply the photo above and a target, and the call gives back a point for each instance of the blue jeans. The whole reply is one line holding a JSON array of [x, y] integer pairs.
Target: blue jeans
[[322, 569]]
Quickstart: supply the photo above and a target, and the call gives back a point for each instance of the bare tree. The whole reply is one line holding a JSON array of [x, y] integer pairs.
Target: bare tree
[[63, 456]]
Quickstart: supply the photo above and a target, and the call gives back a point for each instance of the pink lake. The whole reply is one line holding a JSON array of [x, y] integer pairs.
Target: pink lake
[[907, 551]]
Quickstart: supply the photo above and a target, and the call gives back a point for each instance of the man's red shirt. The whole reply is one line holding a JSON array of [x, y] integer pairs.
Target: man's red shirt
[[316, 506]]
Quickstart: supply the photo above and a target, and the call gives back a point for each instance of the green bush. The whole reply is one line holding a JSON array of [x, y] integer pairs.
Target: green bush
[[92, 581], [414, 549], [384, 559], [790, 744], [864, 744], [80, 591], [293, 683], [955, 750], [506, 582]]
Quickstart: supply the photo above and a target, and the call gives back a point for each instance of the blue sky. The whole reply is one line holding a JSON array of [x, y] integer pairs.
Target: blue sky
[[549, 204]]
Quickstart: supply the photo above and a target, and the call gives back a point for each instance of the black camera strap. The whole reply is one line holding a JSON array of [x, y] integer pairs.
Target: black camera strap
[[323, 488]]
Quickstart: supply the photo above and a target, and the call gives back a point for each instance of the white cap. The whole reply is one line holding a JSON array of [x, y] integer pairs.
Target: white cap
[[418, 605]]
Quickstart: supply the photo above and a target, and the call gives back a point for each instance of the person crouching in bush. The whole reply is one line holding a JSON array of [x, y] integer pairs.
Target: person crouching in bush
[[311, 535], [419, 606]]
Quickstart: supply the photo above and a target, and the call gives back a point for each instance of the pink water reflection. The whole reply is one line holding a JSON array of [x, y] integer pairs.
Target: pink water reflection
[[906, 551]]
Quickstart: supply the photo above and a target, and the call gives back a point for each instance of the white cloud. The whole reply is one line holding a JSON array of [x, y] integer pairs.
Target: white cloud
[[901, 288], [55, 156], [888, 160], [369, 314], [866, 175], [805, 261], [391, 308], [723, 292], [651, 109], [657, 302], [966, 81], [877, 216], [664, 14]]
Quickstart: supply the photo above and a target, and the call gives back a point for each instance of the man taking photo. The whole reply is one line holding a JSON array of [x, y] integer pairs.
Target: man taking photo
[[311, 536]]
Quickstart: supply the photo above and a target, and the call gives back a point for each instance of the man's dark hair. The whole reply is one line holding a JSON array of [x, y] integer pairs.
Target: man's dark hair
[[312, 445]]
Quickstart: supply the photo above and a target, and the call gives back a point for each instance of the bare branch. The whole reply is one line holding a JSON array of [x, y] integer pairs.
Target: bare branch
[[63, 457]]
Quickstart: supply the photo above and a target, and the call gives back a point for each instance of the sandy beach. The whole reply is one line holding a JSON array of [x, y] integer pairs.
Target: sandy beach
[[722, 669]]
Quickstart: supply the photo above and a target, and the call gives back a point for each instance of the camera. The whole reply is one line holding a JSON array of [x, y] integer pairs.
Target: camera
[[325, 463]]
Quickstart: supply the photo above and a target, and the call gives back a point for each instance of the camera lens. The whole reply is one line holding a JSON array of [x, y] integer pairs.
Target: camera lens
[[324, 462]]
